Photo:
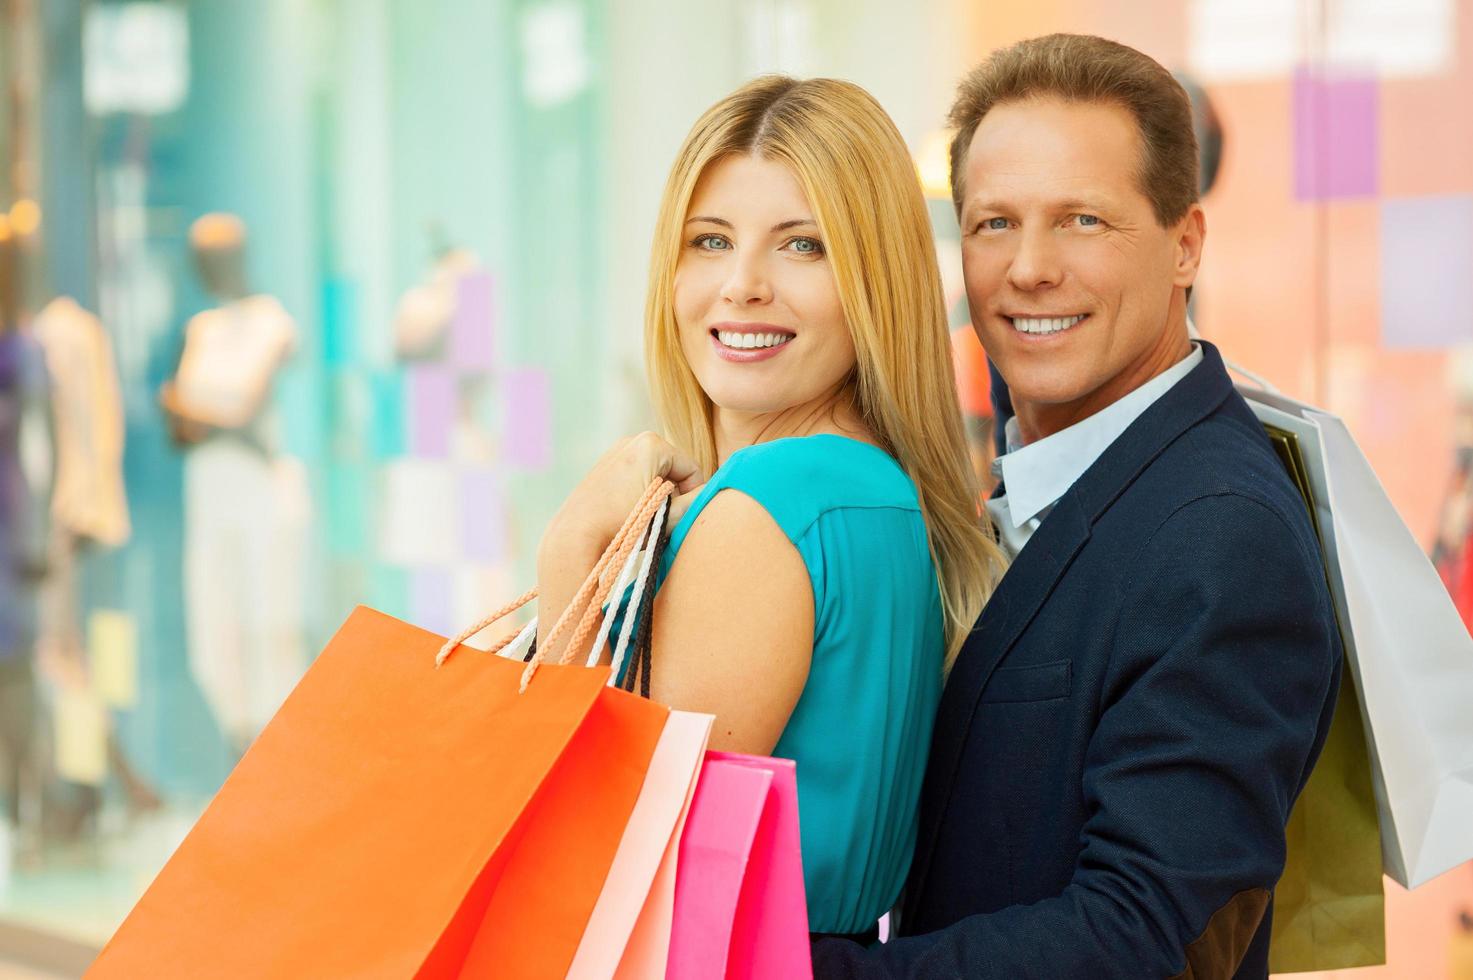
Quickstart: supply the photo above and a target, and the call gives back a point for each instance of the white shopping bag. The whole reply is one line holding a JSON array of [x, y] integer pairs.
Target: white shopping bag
[[1411, 655]]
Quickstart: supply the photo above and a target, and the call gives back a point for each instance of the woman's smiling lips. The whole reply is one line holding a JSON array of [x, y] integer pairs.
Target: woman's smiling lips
[[744, 343]]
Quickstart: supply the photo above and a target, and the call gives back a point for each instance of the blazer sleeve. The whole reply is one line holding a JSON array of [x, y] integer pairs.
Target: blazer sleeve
[[1223, 668]]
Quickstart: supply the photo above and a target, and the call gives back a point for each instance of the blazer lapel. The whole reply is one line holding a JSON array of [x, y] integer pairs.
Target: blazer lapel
[[1032, 578], [1028, 582]]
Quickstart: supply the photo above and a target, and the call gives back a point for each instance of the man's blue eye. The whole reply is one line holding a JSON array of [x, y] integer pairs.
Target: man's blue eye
[[1088, 220], [997, 224]]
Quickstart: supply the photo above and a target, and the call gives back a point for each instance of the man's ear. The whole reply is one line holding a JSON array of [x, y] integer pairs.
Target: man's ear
[[1191, 233]]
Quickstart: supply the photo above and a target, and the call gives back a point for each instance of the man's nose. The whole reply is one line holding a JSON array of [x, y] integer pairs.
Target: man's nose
[[1036, 263]]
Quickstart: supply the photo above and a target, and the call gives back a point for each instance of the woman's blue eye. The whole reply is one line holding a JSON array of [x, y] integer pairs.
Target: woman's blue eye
[[712, 243], [806, 246]]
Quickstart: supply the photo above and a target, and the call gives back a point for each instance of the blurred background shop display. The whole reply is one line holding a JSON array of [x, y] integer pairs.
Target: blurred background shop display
[[307, 303]]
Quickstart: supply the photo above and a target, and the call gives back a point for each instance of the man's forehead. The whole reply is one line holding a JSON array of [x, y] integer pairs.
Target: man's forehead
[[1053, 149]]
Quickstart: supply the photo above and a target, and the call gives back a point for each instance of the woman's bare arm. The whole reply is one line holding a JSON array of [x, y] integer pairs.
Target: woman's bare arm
[[733, 626], [593, 513]]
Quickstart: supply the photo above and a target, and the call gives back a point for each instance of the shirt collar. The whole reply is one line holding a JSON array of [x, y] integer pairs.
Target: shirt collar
[[1035, 476]]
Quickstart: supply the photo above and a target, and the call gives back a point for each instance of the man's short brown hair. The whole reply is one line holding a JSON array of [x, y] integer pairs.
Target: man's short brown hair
[[1084, 68]]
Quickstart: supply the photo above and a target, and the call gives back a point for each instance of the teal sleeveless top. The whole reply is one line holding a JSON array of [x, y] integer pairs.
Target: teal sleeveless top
[[861, 729]]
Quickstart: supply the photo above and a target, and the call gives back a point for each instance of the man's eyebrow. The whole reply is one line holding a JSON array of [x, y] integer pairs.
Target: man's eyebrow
[[989, 204], [1083, 204], [1068, 204]]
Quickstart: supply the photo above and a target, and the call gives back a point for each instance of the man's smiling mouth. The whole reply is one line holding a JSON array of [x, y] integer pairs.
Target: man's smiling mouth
[[1045, 324]]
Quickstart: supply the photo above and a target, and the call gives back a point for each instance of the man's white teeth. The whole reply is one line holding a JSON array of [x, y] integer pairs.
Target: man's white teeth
[[1045, 324], [751, 341]]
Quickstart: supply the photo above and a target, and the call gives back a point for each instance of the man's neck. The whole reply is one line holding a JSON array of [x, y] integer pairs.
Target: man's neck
[[1040, 420]]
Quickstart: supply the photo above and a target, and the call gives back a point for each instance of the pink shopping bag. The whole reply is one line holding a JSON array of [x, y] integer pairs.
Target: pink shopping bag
[[770, 935], [740, 908], [648, 951], [654, 827]]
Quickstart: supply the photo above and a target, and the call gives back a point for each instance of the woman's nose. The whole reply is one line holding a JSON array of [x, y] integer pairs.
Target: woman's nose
[[748, 284]]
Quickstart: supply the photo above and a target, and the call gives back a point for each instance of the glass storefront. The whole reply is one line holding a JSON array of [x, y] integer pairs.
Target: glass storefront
[[442, 211]]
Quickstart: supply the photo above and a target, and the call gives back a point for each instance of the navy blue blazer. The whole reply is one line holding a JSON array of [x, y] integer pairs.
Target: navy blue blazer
[[1123, 735]]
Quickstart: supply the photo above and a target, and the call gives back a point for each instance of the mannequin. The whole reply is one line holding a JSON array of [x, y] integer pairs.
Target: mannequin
[[89, 507], [241, 560], [22, 527], [425, 311], [83, 497], [442, 343]]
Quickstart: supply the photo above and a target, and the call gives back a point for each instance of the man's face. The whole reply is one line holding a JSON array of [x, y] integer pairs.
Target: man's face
[[1077, 293]]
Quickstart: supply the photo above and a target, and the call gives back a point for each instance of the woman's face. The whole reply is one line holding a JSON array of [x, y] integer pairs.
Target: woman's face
[[755, 299]]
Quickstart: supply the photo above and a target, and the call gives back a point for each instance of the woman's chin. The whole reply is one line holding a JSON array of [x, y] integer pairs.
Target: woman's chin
[[748, 406]]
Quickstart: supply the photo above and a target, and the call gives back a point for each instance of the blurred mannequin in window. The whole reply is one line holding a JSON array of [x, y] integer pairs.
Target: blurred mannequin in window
[[87, 504], [24, 473], [443, 332], [240, 567], [424, 313]]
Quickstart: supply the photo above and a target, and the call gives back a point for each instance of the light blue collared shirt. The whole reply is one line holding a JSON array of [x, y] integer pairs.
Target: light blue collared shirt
[[1038, 474]]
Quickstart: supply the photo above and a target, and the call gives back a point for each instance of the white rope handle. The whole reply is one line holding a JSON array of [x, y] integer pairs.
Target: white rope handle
[[588, 599], [629, 536], [517, 648], [636, 600], [616, 600]]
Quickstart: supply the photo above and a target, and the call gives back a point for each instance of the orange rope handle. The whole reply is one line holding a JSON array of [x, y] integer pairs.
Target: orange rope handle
[[466, 634], [596, 589], [589, 584], [591, 617], [588, 598]]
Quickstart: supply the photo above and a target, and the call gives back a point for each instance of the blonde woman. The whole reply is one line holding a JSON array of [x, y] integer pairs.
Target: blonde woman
[[826, 559]]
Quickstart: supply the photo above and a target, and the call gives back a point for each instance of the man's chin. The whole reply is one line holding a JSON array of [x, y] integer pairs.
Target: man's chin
[[1044, 384]]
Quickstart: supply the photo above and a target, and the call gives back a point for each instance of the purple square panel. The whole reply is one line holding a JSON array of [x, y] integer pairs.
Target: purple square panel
[[482, 516], [432, 600], [432, 401], [528, 436], [1336, 135], [1427, 272], [472, 332]]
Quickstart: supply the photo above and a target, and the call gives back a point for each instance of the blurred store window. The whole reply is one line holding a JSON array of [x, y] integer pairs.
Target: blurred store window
[[136, 58], [452, 202]]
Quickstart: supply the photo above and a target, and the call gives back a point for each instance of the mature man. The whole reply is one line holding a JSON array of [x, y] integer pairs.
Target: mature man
[[1122, 738]]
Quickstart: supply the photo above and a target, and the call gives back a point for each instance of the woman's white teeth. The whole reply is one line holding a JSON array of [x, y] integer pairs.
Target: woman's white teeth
[[751, 341], [1045, 324]]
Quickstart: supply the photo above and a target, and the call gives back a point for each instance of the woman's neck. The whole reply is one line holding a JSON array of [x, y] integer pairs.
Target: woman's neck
[[833, 413]]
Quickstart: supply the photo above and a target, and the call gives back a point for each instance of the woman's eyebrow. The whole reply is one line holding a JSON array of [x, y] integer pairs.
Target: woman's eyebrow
[[780, 226]]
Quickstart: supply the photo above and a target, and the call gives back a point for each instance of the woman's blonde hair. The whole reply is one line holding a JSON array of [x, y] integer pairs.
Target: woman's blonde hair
[[857, 175]]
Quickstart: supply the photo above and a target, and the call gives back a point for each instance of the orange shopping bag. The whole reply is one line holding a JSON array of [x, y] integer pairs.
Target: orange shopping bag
[[398, 820]]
